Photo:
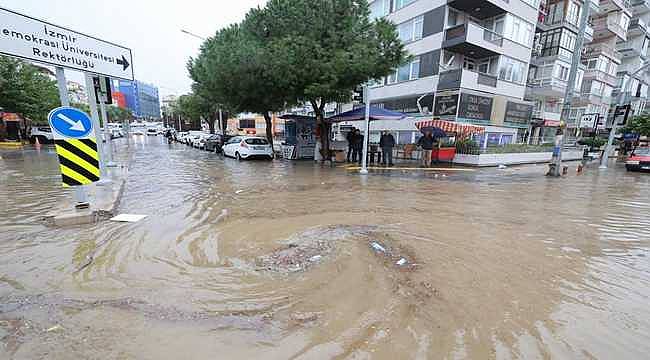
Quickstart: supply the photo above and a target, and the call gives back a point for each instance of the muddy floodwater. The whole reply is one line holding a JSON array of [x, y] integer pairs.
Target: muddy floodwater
[[278, 260]]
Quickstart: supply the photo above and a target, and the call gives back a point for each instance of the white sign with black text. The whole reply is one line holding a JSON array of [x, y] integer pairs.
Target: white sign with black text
[[32, 39], [589, 121]]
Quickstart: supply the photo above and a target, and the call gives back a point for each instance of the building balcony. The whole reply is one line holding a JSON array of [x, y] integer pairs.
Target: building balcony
[[601, 76], [481, 9], [594, 49], [640, 7], [591, 98], [466, 79], [474, 41], [547, 87], [609, 26], [637, 27], [616, 5]]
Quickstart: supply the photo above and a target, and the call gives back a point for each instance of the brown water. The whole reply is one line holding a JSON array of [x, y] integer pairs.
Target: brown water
[[505, 263]]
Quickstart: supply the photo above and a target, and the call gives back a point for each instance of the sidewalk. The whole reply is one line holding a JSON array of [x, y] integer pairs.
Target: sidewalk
[[104, 200]]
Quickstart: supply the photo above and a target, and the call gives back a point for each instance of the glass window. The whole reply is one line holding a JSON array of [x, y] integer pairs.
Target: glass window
[[469, 64], [379, 8], [453, 18], [401, 3], [625, 21], [411, 30], [415, 69], [572, 13], [512, 70]]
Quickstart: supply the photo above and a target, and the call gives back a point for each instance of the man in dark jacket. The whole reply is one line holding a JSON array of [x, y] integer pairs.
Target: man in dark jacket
[[350, 138], [387, 143], [357, 146], [426, 143]]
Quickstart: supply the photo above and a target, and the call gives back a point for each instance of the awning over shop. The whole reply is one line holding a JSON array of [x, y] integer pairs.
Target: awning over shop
[[360, 113], [451, 127]]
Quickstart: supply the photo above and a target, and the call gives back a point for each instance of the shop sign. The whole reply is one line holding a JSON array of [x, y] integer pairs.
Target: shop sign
[[406, 105], [520, 114], [589, 121], [446, 105], [474, 107]]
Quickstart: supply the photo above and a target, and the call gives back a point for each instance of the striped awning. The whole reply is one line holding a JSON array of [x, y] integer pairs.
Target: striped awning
[[451, 126]]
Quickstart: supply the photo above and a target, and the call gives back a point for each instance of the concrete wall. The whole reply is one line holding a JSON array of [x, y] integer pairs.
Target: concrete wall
[[513, 159]]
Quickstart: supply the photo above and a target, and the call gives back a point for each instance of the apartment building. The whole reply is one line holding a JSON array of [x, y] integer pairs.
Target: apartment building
[[470, 64], [634, 53]]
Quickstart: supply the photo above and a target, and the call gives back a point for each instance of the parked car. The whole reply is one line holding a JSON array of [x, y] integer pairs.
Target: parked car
[[191, 136], [43, 134], [215, 142], [639, 160], [248, 147], [152, 132], [116, 133], [199, 141]]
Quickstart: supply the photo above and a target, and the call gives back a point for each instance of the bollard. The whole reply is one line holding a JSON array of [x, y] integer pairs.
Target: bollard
[[565, 170], [37, 144]]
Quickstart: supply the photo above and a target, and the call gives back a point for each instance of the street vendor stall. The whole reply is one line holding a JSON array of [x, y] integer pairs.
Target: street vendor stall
[[442, 129]]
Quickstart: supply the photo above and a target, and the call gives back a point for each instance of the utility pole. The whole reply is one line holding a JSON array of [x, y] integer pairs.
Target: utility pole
[[92, 102], [556, 162], [622, 99]]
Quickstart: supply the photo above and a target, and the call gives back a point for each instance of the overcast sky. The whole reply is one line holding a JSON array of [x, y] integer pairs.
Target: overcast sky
[[151, 28]]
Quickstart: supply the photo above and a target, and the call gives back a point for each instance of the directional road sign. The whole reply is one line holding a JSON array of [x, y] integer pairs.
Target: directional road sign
[[75, 146], [28, 38]]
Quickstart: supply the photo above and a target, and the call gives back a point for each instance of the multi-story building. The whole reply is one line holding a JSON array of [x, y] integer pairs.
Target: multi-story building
[[602, 60], [553, 52], [141, 98], [470, 64], [634, 54]]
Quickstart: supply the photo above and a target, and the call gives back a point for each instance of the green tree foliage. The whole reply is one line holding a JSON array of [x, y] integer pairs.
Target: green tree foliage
[[638, 125], [238, 70], [326, 48], [118, 114], [26, 90], [195, 108]]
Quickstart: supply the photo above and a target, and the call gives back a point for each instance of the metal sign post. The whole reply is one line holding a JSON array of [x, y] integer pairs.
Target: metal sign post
[[366, 137], [80, 196], [92, 102]]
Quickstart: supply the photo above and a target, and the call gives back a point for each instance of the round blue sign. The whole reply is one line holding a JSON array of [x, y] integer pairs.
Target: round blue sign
[[69, 122]]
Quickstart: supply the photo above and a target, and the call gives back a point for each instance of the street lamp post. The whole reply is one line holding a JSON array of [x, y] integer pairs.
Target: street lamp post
[[622, 99], [366, 138], [193, 34]]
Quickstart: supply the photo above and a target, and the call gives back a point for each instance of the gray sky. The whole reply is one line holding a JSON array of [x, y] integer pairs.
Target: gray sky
[[151, 28]]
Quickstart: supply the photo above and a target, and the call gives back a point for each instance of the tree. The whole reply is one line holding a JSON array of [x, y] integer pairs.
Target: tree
[[196, 108], [26, 90], [325, 48], [118, 114], [639, 125], [239, 70]]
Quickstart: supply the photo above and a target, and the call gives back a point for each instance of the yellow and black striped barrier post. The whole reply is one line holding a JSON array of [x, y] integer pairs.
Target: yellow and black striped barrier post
[[76, 148], [79, 161]]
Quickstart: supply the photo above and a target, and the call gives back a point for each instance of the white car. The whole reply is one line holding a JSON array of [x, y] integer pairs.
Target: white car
[[43, 134], [199, 142], [191, 136], [248, 147], [152, 132]]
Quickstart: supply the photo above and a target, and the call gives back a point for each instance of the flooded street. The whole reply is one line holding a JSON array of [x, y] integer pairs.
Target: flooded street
[[499, 263]]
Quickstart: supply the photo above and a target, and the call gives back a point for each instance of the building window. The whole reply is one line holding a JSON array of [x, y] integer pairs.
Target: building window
[[410, 71], [453, 18], [512, 70], [572, 13], [625, 21], [402, 3], [489, 65], [379, 8], [469, 64], [247, 123], [411, 30]]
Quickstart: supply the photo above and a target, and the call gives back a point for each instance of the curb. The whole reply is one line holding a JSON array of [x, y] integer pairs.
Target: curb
[[88, 216]]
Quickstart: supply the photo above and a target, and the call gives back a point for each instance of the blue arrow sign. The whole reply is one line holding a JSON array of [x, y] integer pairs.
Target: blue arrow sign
[[69, 122]]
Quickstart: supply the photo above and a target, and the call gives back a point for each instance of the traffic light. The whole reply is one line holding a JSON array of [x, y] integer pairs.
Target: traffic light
[[357, 94], [102, 84]]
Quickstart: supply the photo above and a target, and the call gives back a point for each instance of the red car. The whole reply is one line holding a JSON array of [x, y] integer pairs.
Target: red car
[[639, 160]]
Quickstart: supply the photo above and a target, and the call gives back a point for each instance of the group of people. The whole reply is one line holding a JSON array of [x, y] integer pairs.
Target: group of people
[[355, 146], [386, 144]]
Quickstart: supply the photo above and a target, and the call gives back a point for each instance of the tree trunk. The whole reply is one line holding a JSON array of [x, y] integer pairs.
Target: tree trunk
[[211, 124], [224, 121], [323, 127], [269, 127]]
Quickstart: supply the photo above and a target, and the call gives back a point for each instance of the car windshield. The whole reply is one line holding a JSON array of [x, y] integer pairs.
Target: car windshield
[[642, 151], [257, 142]]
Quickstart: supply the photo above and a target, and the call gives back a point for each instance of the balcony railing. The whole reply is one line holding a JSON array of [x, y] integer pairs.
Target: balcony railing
[[453, 79], [463, 30]]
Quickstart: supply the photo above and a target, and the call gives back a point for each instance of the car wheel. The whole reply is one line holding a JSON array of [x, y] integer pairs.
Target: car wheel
[[238, 156]]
